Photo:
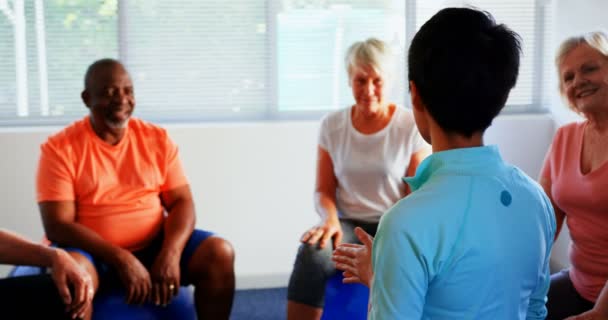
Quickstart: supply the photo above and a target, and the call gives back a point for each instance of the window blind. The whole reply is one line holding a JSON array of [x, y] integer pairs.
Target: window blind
[[207, 60]]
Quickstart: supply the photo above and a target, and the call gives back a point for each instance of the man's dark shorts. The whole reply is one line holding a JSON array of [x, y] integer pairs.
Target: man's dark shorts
[[148, 254]]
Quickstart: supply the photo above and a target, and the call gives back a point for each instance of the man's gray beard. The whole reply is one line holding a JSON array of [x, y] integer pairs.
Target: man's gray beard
[[117, 125]]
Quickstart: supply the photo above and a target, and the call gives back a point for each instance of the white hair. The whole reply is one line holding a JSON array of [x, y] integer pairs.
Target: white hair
[[372, 52], [598, 40]]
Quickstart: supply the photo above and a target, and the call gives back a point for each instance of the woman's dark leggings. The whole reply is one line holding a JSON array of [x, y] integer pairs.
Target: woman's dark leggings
[[563, 299], [30, 297]]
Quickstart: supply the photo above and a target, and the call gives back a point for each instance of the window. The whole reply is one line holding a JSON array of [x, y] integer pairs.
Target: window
[[46, 47], [196, 60], [311, 43], [526, 17]]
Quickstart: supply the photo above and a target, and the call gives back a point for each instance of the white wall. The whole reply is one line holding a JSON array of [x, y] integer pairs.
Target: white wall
[[252, 182], [578, 17]]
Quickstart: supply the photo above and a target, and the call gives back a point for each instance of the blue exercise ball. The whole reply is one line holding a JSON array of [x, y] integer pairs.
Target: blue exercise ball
[[110, 304], [20, 271], [345, 301]]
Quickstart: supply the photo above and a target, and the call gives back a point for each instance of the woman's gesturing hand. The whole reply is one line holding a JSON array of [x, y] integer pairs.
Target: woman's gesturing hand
[[356, 259]]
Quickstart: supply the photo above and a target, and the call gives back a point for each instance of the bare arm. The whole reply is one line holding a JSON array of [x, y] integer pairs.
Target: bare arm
[[559, 214], [15, 249], [415, 160], [59, 219], [325, 187], [325, 203], [178, 227], [181, 219], [66, 273]]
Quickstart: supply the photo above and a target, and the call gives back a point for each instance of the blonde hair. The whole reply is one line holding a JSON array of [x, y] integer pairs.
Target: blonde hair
[[597, 40], [372, 52]]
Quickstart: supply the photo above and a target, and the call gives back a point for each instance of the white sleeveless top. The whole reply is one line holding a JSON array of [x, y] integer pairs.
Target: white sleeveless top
[[369, 167]]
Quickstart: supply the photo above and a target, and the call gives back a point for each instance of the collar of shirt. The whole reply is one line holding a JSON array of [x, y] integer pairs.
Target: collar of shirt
[[464, 161]]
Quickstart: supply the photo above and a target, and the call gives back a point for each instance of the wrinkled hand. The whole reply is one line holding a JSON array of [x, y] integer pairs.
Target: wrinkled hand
[[66, 273], [589, 315], [134, 277], [356, 259], [165, 274], [330, 229]]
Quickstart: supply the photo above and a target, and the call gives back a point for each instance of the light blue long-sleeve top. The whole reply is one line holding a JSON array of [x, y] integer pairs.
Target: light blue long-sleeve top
[[471, 242]]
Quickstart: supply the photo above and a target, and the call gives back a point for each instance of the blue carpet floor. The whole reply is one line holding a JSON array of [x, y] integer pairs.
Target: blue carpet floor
[[260, 304]]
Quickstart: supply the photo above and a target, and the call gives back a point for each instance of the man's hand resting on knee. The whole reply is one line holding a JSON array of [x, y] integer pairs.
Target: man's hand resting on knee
[[165, 275], [134, 276]]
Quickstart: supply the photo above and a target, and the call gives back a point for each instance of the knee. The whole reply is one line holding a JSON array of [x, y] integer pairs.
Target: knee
[[220, 251], [215, 255], [312, 256]]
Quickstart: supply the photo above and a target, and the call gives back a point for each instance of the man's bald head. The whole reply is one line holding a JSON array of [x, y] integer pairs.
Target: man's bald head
[[97, 66]]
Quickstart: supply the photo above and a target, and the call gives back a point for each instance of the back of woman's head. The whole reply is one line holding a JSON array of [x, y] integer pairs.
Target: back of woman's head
[[464, 65], [372, 53]]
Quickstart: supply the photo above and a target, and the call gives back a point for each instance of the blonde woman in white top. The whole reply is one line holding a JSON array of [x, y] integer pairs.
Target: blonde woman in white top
[[363, 153]]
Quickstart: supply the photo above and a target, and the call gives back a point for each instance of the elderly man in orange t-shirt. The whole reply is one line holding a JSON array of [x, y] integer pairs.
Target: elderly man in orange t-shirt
[[112, 192]]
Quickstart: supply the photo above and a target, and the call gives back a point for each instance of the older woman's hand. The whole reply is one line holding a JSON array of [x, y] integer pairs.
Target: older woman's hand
[[330, 229], [589, 315], [66, 274], [356, 259]]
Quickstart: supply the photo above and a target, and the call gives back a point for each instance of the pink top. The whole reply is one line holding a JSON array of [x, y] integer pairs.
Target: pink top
[[584, 199]]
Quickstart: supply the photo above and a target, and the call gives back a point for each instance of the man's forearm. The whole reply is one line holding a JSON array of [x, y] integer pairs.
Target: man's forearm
[[76, 235], [179, 225]]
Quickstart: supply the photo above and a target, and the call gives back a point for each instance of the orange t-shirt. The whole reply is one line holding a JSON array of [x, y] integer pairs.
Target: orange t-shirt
[[117, 188], [584, 199]]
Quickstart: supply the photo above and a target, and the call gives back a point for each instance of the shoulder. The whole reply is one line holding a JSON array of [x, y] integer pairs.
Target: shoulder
[[566, 137], [148, 131], [67, 137], [522, 179], [421, 212], [525, 184], [404, 115], [569, 130], [145, 127], [332, 125], [152, 139], [572, 127], [534, 190], [335, 120], [404, 120]]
